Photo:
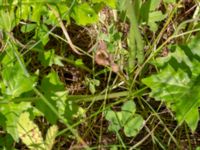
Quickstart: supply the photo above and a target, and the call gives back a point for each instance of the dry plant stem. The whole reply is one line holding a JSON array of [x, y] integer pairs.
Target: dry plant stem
[[64, 30], [78, 48]]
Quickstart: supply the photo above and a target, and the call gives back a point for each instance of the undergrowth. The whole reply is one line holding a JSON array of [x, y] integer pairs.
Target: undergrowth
[[95, 74]]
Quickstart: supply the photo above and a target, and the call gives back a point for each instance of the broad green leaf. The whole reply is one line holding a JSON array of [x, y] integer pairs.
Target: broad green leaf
[[31, 136], [129, 107], [128, 110], [115, 120], [133, 126], [178, 82], [126, 118], [55, 92], [154, 4], [83, 14], [11, 112], [15, 81], [79, 62], [29, 133]]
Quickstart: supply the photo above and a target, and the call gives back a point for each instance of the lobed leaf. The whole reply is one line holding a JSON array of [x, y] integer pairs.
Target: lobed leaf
[[126, 118], [83, 14], [30, 133], [178, 82]]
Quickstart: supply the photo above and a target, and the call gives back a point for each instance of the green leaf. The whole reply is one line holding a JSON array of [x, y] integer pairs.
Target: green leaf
[[42, 34], [154, 4], [51, 19], [37, 11], [83, 14], [28, 27], [128, 110], [133, 126], [92, 88], [11, 112], [6, 142], [126, 118], [79, 62], [73, 111], [155, 17], [129, 107], [50, 86], [31, 11], [23, 12], [48, 58], [170, 1], [111, 3], [7, 20], [31, 136], [15, 82], [92, 83], [50, 137], [29, 133], [198, 148], [115, 120], [178, 82], [56, 94]]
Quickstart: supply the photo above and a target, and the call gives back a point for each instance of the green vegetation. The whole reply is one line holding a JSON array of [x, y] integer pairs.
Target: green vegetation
[[99, 74]]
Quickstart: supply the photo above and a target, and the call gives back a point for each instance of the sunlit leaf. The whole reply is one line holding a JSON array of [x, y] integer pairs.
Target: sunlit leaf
[[15, 81], [7, 20], [178, 82], [83, 14], [29, 132], [126, 118], [154, 18], [133, 126], [55, 92], [11, 112], [50, 137]]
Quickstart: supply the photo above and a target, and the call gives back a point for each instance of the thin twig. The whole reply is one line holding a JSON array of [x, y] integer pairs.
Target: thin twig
[[64, 30]]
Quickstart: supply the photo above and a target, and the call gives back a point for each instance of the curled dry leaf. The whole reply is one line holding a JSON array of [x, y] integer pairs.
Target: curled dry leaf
[[103, 58]]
